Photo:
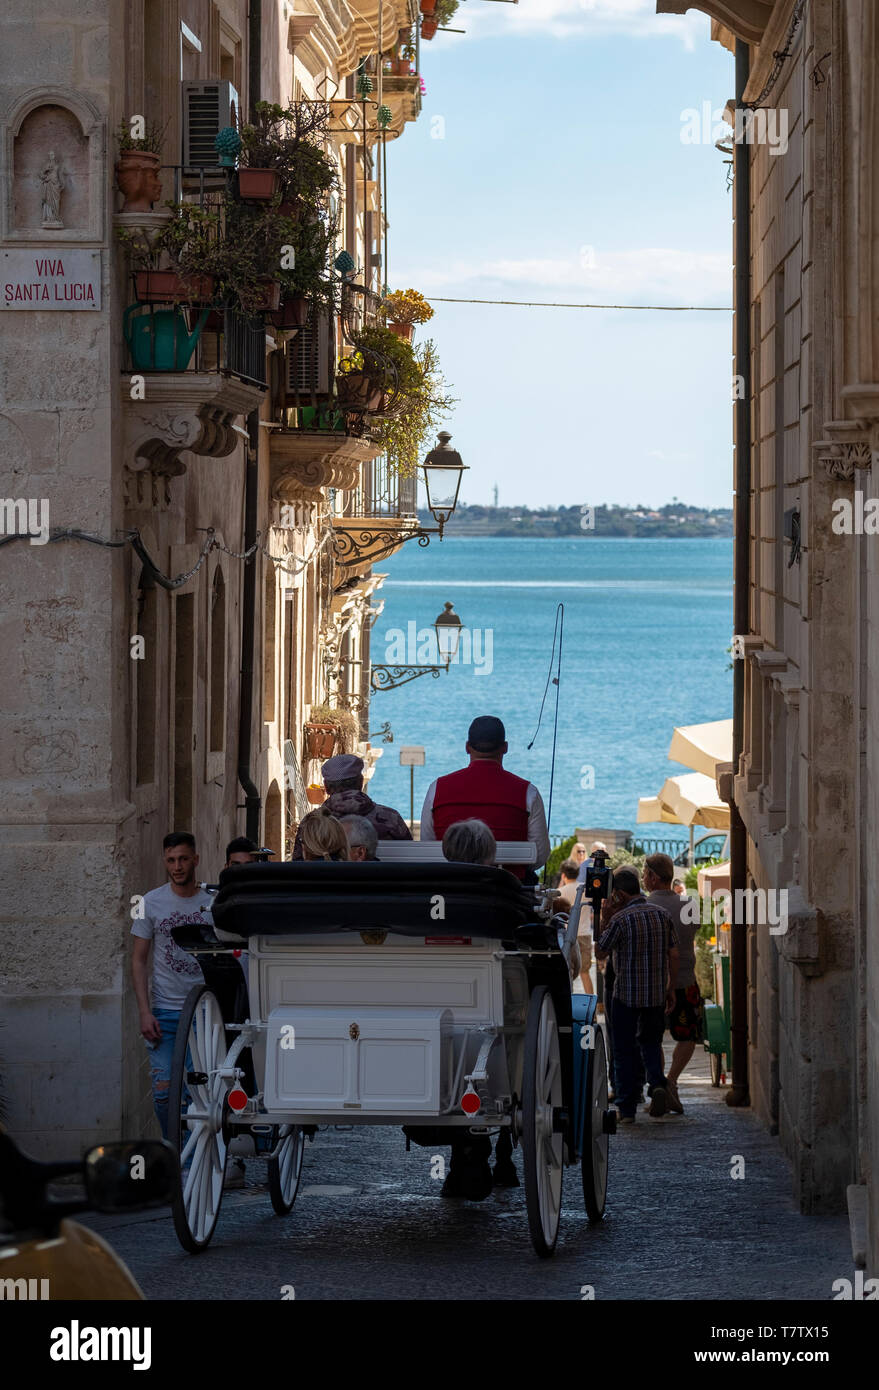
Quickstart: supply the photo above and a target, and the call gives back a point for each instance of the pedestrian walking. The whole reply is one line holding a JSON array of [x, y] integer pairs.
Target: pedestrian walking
[[684, 1021], [162, 990], [640, 939]]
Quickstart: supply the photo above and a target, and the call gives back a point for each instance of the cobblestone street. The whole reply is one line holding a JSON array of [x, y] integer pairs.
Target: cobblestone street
[[369, 1223]]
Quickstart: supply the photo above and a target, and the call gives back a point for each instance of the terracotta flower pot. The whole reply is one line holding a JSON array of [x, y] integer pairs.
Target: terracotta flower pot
[[257, 185], [137, 175], [428, 28], [316, 794], [320, 740], [402, 330], [270, 301], [358, 391], [293, 313], [427, 6], [401, 67], [167, 287]]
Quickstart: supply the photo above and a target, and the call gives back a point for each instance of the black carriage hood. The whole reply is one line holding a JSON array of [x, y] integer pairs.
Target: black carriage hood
[[318, 896]]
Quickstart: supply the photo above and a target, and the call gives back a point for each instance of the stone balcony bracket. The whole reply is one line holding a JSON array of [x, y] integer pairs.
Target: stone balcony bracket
[[747, 19], [848, 446], [305, 461], [194, 411]]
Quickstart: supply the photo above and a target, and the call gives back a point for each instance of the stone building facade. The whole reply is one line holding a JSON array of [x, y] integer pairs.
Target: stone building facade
[[121, 695], [807, 784]]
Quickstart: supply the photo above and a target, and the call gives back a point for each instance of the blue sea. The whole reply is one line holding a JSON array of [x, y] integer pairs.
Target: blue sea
[[646, 627]]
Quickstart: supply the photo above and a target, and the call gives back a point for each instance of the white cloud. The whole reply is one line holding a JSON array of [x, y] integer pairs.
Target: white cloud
[[581, 18], [652, 275]]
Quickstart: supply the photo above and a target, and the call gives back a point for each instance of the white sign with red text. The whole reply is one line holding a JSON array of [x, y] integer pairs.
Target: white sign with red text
[[53, 278]]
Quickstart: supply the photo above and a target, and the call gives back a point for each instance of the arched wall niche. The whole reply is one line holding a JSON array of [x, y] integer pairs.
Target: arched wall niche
[[43, 122]]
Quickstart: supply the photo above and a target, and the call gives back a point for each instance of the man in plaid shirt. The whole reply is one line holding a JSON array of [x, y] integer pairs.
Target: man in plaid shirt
[[642, 940]]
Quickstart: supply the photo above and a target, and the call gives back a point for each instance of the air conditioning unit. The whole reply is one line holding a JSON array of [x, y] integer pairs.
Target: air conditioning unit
[[308, 359], [208, 107]]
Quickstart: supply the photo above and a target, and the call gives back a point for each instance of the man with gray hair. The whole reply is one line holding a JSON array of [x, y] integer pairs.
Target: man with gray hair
[[362, 838], [470, 842], [641, 938]]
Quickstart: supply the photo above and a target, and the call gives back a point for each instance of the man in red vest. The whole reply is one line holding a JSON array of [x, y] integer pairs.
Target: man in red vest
[[513, 810], [511, 807]]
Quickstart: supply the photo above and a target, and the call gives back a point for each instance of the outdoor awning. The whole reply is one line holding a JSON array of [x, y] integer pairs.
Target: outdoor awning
[[692, 799], [714, 880], [651, 810], [703, 746]]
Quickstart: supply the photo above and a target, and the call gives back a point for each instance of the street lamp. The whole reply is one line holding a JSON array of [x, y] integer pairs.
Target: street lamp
[[356, 542], [448, 634], [443, 471], [447, 627]]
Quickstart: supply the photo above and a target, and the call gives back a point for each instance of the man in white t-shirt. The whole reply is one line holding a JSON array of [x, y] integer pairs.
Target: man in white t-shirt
[[161, 994]]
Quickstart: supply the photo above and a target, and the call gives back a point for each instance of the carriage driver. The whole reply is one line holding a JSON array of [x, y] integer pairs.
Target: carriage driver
[[484, 790]]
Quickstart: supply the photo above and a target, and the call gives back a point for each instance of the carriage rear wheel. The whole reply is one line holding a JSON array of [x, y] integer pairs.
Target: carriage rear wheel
[[593, 1163], [542, 1145], [285, 1167], [196, 1104]]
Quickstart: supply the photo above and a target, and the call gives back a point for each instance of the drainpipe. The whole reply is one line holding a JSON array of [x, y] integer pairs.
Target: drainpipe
[[252, 799], [738, 964]]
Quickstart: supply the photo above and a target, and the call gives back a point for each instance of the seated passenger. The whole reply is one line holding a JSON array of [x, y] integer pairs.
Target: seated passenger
[[322, 837], [343, 779], [362, 838], [470, 842]]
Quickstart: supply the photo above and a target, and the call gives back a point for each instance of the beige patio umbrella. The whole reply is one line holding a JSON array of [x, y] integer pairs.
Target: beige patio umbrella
[[693, 798], [702, 746]]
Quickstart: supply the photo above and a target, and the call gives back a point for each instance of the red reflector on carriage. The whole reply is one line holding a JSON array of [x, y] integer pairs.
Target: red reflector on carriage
[[448, 940], [470, 1101], [238, 954], [237, 1098]]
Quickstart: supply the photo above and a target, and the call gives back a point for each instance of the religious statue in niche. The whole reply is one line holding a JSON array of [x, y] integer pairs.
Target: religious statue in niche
[[52, 186]]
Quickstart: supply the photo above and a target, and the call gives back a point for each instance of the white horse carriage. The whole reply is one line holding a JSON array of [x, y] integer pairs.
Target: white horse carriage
[[408, 992]]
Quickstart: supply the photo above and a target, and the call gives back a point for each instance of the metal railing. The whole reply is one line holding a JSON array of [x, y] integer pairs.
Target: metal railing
[[383, 493]]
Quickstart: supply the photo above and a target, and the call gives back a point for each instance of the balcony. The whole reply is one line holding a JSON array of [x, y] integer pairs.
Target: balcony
[[403, 96], [377, 518]]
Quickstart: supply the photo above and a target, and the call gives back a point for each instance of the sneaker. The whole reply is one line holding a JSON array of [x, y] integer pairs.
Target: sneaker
[[625, 1119], [659, 1102], [505, 1174], [674, 1100], [235, 1174]]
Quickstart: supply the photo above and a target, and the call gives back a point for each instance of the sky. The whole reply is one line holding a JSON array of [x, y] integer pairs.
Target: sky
[[548, 164]]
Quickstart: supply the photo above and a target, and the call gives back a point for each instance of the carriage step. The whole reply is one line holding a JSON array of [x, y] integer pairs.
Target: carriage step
[[609, 1122]]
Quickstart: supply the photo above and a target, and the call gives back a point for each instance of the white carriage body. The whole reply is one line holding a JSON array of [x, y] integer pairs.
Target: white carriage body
[[382, 1033]]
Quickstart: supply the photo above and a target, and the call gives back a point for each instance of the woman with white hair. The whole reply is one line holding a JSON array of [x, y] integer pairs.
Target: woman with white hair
[[470, 842]]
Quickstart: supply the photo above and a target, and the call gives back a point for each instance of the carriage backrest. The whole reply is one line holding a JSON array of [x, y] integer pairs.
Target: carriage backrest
[[431, 852]]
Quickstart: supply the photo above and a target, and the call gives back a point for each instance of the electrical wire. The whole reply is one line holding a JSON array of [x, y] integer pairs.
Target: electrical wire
[[557, 637], [550, 304]]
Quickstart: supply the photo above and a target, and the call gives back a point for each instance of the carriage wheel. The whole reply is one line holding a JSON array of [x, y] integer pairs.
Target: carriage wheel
[[195, 1118], [593, 1163], [542, 1147], [716, 1067], [285, 1167]]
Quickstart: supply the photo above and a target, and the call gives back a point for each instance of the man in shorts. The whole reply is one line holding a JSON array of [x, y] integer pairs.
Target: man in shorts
[[684, 1022]]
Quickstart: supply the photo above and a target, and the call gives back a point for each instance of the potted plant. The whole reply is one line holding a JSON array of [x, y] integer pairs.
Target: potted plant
[[137, 168], [403, 309], [427, 6], [428, 27], [445, 11], [315, 793], [329, 730]]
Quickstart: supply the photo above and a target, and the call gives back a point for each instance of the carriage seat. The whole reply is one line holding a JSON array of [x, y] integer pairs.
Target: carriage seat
[[318, 896]]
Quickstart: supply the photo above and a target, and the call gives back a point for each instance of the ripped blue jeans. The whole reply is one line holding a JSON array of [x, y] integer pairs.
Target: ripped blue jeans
[[161, 1055]]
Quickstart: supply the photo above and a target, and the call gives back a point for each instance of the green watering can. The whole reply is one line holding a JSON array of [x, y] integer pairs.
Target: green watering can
[[159, 340]]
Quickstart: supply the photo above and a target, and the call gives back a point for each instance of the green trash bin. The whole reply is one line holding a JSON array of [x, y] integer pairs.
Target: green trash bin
[[716, 1017]]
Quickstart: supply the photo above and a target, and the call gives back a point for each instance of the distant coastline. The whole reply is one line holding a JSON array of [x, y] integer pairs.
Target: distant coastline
[[674, 520]]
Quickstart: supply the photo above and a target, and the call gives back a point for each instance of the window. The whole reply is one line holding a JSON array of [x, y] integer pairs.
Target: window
[[145, 685], [183, 692]]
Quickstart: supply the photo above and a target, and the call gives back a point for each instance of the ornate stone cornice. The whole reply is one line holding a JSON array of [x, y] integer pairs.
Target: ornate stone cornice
[[183, 410], [305, 461], [846, 447], [747, 19]]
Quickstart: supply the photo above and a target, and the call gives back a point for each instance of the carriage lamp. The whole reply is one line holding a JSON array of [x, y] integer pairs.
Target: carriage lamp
[[443, 471], [448, 634]]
